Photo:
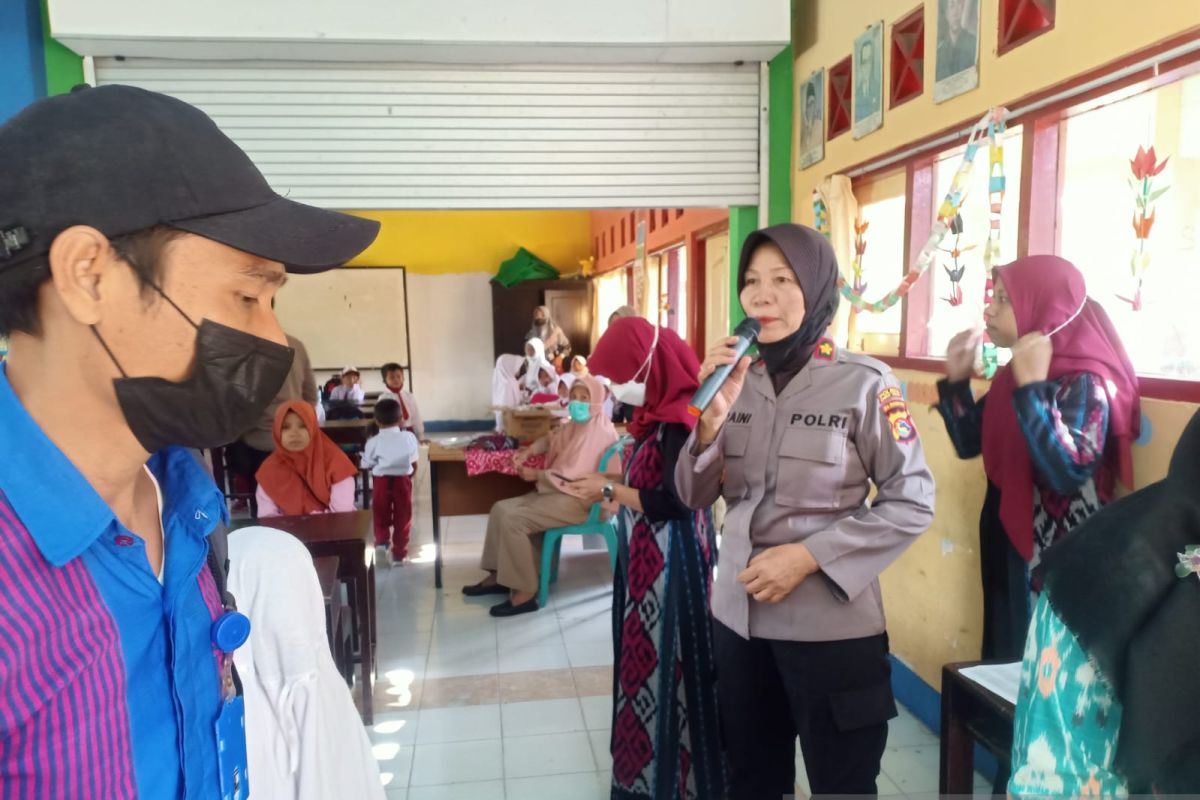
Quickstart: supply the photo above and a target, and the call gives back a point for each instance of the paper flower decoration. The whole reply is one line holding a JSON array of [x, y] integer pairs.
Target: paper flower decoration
[[1189, 562], [1144, 166]]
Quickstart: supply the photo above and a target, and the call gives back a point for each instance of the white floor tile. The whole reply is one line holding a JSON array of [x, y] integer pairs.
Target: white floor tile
[[602, 749], [540, 717], [394, 726], [887, 788], [457, 762], [485, 790], [590, 654], [395, 761], [914, 770], [597, 712], [529, 659], [589, 629], [460, 724], [908, 731], [458, 666], [555, 754], [579, 786]]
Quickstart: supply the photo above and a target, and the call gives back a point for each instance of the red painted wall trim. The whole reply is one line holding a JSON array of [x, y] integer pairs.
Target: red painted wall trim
[[918, 304]]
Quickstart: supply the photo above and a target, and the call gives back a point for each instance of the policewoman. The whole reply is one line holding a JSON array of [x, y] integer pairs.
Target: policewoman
[[794, 443]]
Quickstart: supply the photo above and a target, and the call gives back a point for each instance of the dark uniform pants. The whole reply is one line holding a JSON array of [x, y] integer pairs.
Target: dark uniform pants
[[835, 696]]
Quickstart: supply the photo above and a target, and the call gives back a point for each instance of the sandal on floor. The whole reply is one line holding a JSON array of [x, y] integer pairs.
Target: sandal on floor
[[507, 609], [480, 590]]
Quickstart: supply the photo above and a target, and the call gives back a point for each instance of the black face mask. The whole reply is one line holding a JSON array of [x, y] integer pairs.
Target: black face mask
[[236, 377]]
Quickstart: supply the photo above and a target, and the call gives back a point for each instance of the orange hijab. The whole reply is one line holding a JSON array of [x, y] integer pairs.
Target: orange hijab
[[302, 483]]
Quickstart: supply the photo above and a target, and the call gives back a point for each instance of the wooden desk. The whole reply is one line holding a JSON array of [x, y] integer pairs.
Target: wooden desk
[[455, 494], [347, 431], [349, 536], [970, 714]]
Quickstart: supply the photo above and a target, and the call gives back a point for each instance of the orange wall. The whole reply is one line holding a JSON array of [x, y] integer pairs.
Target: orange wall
[[614, 233]]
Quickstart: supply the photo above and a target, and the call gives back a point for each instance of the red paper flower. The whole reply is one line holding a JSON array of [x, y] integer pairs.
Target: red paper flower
[[1144, 166], [1142, 225]]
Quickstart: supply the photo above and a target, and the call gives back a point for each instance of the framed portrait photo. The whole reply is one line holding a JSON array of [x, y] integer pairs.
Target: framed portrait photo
[[811, 103], [868, 80], [956, 66]]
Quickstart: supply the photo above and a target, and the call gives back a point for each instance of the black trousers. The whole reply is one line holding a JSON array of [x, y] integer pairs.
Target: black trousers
[[835, 696]]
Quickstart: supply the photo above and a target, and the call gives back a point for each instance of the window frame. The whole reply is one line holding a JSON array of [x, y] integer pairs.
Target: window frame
[[1040, 186], [911, 24]]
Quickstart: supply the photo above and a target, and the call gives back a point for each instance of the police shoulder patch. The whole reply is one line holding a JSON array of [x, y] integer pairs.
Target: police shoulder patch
[[895, 410]]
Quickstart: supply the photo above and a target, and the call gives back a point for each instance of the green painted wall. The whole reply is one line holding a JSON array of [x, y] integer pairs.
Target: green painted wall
[[780, 120], [64, 67], [743, 220]]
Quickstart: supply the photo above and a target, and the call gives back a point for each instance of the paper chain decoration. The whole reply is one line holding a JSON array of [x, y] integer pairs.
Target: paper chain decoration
[[992, 124]]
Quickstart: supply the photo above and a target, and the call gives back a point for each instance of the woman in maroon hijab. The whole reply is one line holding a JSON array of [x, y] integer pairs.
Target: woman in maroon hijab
[[1055, 429], [662, 635]]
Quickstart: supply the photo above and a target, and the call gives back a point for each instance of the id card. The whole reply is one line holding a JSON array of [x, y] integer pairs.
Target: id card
[[231, 750]]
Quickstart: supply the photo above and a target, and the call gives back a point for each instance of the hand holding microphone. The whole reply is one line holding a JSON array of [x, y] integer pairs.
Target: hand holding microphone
[[721, 378]]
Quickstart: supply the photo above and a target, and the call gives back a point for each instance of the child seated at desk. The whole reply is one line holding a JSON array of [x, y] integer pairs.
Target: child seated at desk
[[547, 391], [391, 455], [410, 415], [307, 473]]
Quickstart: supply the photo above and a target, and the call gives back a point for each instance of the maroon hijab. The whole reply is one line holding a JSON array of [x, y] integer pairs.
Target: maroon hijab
[[1045, 291], [622, 351]]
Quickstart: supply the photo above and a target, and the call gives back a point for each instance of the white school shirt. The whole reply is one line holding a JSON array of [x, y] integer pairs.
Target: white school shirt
[[391, 452], [354, 394], [409, 404]]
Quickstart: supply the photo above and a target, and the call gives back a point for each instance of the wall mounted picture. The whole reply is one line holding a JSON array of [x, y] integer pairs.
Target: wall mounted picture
[[868, 80], [812, 119], [956, 69]]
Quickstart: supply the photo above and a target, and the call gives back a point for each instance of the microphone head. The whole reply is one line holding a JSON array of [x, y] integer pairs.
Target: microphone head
[[748, 328]]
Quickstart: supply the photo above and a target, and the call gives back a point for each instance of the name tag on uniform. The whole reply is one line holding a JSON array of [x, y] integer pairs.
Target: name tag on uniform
[[740, 417], [821, 420]]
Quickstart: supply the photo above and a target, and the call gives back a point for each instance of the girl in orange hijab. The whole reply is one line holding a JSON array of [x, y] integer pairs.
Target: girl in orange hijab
[[307, 473]]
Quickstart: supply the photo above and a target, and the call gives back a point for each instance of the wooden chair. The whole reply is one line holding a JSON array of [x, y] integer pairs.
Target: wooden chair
[[337, 615]]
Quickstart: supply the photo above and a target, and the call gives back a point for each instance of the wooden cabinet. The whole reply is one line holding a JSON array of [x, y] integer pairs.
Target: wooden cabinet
[[570, 304]]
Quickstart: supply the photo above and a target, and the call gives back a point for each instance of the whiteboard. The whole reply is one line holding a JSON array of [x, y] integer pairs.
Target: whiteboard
[[349, 316]]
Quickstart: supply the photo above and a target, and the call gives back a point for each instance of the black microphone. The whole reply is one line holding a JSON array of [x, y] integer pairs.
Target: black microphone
[[747, 333]]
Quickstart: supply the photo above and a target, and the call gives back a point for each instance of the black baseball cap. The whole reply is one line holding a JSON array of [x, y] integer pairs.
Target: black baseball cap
[[123, 159]]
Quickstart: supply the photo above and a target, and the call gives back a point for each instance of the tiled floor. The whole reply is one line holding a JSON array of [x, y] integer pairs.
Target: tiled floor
[[467, 706]]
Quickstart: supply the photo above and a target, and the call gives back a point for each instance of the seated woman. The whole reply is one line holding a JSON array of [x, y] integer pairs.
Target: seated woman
[[304, 738], [512, 550], [307, 473], [1108, 705]]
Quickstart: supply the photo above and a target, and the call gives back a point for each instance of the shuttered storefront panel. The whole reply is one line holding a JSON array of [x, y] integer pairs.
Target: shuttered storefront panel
[[389, 136]]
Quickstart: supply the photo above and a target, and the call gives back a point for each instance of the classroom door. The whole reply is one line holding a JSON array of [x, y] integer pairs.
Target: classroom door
[[716, 309], [572, 310]]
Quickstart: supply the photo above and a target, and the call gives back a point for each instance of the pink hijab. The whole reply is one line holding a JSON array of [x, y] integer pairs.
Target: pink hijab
[[576, 447], [1045, 292]]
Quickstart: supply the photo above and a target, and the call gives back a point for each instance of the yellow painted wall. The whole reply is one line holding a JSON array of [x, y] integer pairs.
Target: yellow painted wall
[[932, 593], [1087, 34], [445, 242]]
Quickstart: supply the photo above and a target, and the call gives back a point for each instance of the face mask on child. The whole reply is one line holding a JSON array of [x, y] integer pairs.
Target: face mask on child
[[579, 410]]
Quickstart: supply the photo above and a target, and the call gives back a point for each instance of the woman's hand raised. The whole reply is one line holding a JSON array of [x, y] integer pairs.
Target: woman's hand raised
[[713, 418], [960, 355]]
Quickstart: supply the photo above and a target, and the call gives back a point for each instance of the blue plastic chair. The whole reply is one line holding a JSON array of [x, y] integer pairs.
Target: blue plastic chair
[[595, 524]]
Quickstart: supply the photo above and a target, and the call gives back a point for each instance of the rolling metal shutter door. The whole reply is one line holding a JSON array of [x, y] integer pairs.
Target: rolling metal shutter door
[[395, 136]]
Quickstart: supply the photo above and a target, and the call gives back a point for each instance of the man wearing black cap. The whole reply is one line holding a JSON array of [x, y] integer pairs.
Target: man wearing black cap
[[139, 252]]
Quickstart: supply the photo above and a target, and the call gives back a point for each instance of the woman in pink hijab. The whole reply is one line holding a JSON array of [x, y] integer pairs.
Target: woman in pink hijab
[[512, 548], [1055, 430]]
